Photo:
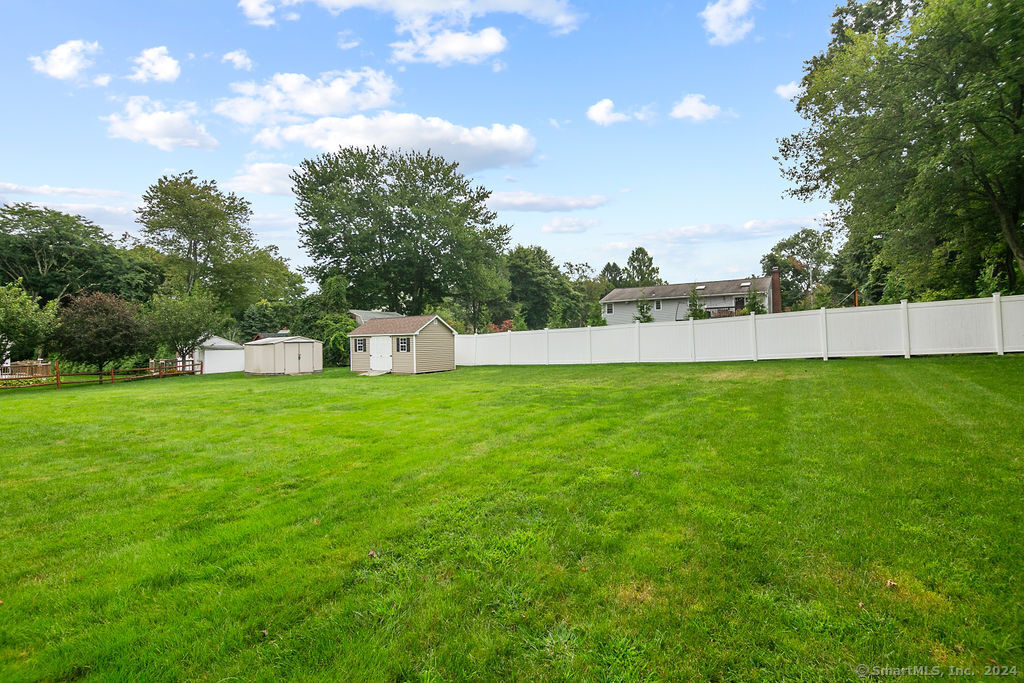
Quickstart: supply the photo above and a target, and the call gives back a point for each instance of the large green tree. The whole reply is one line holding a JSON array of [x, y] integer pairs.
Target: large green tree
[[640, 270], [196, 224], [182, 321], [54, 253], [24, 325], [405, 229], [804, 260], [536, 282], [99, 328], [915, 132]]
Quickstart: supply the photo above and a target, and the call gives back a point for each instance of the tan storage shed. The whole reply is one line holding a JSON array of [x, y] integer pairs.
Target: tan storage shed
[[284, 356], [408, 345]]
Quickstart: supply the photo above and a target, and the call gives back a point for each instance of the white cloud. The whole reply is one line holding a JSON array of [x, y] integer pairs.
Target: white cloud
[[285, 97], [528, 201], [259, 12], [347, 40], [103, 80], [145, 120], [723, 232], [788, 91], [67, 60], [475, 148], [603, 113], [262, 178], [563, 224], [558, 14], [114, 219], [694, 107], [727, 20], [448, 47], [238, 59], [47, 190], [155, 64]]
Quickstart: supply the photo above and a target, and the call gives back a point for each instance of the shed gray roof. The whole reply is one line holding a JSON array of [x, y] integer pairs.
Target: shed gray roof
[[216, 342], [391, 326], [279, 340], [362, 316], [682, 290]]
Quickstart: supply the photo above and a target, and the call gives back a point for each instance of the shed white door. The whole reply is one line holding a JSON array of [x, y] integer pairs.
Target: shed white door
[[305, 357], [380, 353]]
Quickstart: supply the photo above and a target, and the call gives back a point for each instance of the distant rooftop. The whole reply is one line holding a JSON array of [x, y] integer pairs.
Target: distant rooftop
[[682, 290]]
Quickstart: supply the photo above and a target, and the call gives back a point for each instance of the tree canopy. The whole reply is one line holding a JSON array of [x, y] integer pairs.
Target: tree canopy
[[405, 229], [181, 322], [98, 328], [23, 324], [54, 254], [915, 132]]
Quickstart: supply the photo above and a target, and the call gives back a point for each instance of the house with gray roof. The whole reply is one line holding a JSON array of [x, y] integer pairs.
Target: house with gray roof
[[361, 316], [721, 298]]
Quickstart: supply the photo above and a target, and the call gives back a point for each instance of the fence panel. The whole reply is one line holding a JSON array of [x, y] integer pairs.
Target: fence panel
[[614, 344], [529, 348], [986, 325], [966, 326], [569, 347], [492, 349], [665, 343], [794, 335], [724, 339], [865, 331], [1012, 314]]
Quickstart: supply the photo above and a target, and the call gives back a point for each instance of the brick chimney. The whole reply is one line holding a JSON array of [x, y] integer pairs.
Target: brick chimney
[[776, 291]]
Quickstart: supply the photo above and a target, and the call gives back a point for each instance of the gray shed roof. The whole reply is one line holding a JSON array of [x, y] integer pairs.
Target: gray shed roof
[[279, 340], [682, 290], [216, 342], [362, 316]]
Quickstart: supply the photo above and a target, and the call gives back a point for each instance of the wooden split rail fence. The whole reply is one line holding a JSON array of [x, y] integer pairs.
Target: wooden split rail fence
[[28, 375]]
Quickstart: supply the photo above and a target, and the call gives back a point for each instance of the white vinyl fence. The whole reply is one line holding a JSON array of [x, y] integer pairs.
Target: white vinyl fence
[[990, 325]]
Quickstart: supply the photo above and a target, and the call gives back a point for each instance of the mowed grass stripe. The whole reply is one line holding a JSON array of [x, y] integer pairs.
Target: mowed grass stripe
[[729, 521]]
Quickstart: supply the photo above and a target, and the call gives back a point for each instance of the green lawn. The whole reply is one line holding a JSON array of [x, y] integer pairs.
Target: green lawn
[[730, 521]]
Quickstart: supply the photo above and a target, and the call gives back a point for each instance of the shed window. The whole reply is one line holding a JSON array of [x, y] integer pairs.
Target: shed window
[[609, 308], [657, 305], [360, 345], [403, 345]]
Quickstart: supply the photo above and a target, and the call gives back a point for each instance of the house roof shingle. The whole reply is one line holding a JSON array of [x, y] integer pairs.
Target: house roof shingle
[[682, 290], [362, 316], [386, 326]]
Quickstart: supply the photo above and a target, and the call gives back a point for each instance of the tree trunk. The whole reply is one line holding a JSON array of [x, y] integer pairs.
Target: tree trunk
[[1008, 221]]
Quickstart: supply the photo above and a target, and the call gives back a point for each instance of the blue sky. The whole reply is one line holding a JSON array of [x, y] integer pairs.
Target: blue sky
[[598, 125]]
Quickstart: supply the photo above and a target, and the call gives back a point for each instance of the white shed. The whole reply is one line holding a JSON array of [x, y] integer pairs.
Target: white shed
[[218, 354], [284, 356]]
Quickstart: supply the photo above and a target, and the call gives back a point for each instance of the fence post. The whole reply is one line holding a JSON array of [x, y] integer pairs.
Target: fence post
[[693, 343], [111, 375], [753, 336], [905, 327], [476, 345], [510, 347], [997, 308], [547, 346], [636, 336], [57, 370], [824, 334], [590, 345]]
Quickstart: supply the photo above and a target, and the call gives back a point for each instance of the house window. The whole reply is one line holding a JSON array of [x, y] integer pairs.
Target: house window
[[360, 345], [403, 345], [657, 305], [609, 308]]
